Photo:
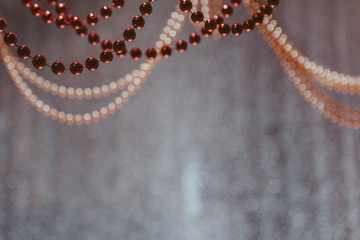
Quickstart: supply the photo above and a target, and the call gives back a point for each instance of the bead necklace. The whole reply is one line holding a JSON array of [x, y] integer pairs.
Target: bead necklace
[[133, 82], [76, 68], [330, 108]]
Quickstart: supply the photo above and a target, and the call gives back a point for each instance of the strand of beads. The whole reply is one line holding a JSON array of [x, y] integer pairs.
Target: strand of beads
[[92, 63], [330, 108], [170, 32], [87, 118], [331, 79]]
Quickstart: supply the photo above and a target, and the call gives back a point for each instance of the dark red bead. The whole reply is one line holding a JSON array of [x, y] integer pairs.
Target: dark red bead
[[118, 3], [93, 38], [273, 3], [151, 53], [185, 5], [166, 51], [224, 29], [76, 22], [10, 39], [61, 8], [76, 68], [129, 34], [145, 8], [3, 24], [36, 9], [23, 52], [227, 10], [138, 22], [237, 29], [249, 25], [181, 45], [82, 31], [219, 20], [122, 54], [47, 17], [106, 44], [210, 24], [197, 16], [39, 61], [52, 2], [61, 21], [106, 56], [58, 68], [266, 10], [136, 53], [106, 12], [27, 3], [119, 46], [236, 3], [258, 18], [195, 39], [205, 32], [92, 63], [92, 19]]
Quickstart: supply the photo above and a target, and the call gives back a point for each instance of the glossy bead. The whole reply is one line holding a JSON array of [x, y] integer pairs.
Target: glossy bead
[[249, 25], [197, 16], [122, 54], [92, 63], [58, 68], [185, 5], [27, 3], [82, 31], [93, 38], [151, 53], [166, 51], [118, 3], [266, 10], [52, 2], [23, 52], [236, 3], [36, 10], [224, 29], [195, 39], [205, 32], [258, 18], [106, 12], [47, 17], [3, 24], [219, 20], [273, 3], [106, 56], [10, 39], [119, 46], [76, 22], [136, 53], [39, 61], [76, 68], [138, 22], [210, 24], [181, 46], [60, 21], [129, 34], [145, 8], [61, 8], [227, 10], [92, 19], [106, 45], [237, 29]]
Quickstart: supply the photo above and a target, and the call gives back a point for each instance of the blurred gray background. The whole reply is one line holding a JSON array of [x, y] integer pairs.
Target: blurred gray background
[[217, 144]]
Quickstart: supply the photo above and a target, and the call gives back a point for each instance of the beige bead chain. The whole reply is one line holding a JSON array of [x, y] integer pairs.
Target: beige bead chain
[[170, 32], [133, 82], [331, 109], [326, 77]]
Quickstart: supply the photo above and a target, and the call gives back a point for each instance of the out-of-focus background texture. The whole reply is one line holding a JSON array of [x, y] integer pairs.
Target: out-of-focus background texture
[[217, 144]]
